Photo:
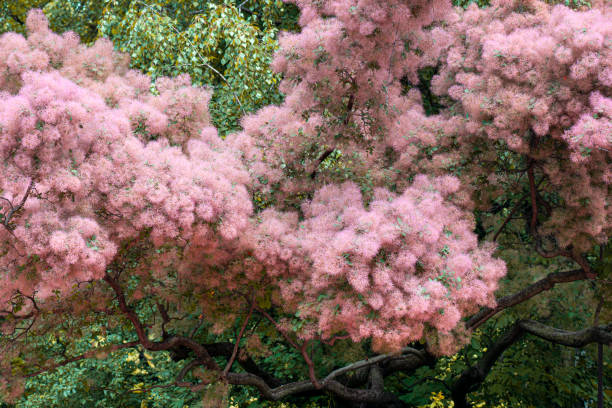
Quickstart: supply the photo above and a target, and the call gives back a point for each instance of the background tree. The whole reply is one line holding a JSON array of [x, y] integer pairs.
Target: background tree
[[225, 45]]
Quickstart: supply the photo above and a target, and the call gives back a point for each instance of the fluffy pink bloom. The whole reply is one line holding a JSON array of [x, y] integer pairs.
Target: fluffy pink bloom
[[99, 180], [518, 97]]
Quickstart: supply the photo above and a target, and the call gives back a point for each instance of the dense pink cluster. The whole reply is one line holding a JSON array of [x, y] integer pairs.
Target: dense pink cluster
[[342, 80], [538, 79], [102, 161], [359, 229], [406, 263], [352, 238], [355, 245]]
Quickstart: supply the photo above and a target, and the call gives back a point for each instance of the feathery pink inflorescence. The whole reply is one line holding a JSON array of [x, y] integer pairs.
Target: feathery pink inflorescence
[[355, 246], [109, 162], [534, 79], [407, 263]]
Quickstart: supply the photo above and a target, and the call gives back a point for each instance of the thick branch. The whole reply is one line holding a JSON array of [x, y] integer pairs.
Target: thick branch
[[225, 349], [409, 354], [530, 291], [165, 317], [377, 381], [581, 338], [321, 159], [168, 344], [350, 394], [471, 378]]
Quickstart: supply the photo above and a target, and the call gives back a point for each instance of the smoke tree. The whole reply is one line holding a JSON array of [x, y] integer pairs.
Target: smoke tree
[[227, 45], [343, 215], [546, 105], [365, 234]]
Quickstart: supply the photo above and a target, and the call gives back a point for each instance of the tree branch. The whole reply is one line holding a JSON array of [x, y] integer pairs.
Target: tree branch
[[277, 327], [534, 205], [237, 345], [170, 343], [321, 159], [577, 339], [471, 378], [507, 220], [382, 398], [530, 291], [6, 218], [380, 359], [225, 349], [15, 18]]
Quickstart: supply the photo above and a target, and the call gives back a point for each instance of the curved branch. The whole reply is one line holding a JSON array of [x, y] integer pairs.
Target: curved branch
[[596, 334], [186, 369], [350, 394], [168, 344], [530, 291], [471, 378], [225, 350], [380, 359]]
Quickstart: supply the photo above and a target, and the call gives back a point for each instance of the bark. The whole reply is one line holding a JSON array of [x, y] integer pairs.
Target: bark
[[471, 378], [530, 291], [362, 383]]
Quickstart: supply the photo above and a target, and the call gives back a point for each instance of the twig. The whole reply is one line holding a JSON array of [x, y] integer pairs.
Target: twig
[[204, 63], [237, 345], [9, 215], [507, 220]]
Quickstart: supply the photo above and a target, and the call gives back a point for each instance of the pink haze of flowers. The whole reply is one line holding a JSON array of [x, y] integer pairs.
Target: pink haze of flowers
[[108, 160], [112, 163], [357, 233], [373, 254], [549, 100]]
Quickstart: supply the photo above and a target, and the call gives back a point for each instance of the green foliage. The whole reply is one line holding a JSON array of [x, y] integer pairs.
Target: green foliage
[[115, 381], [466, 3], [577, 4], [13, 14], [81, 17], [225, 45]]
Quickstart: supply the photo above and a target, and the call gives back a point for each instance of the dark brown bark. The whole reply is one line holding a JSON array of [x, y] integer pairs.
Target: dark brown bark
[[527, 293], [471, 378]]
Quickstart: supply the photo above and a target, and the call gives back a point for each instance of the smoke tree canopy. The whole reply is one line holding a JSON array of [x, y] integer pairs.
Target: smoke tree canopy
[[344, 214], [227, 45]]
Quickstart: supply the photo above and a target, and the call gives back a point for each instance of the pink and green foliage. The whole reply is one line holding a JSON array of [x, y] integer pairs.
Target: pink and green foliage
[[537, 83], [92, 160], [353, 244], [345, 207]]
